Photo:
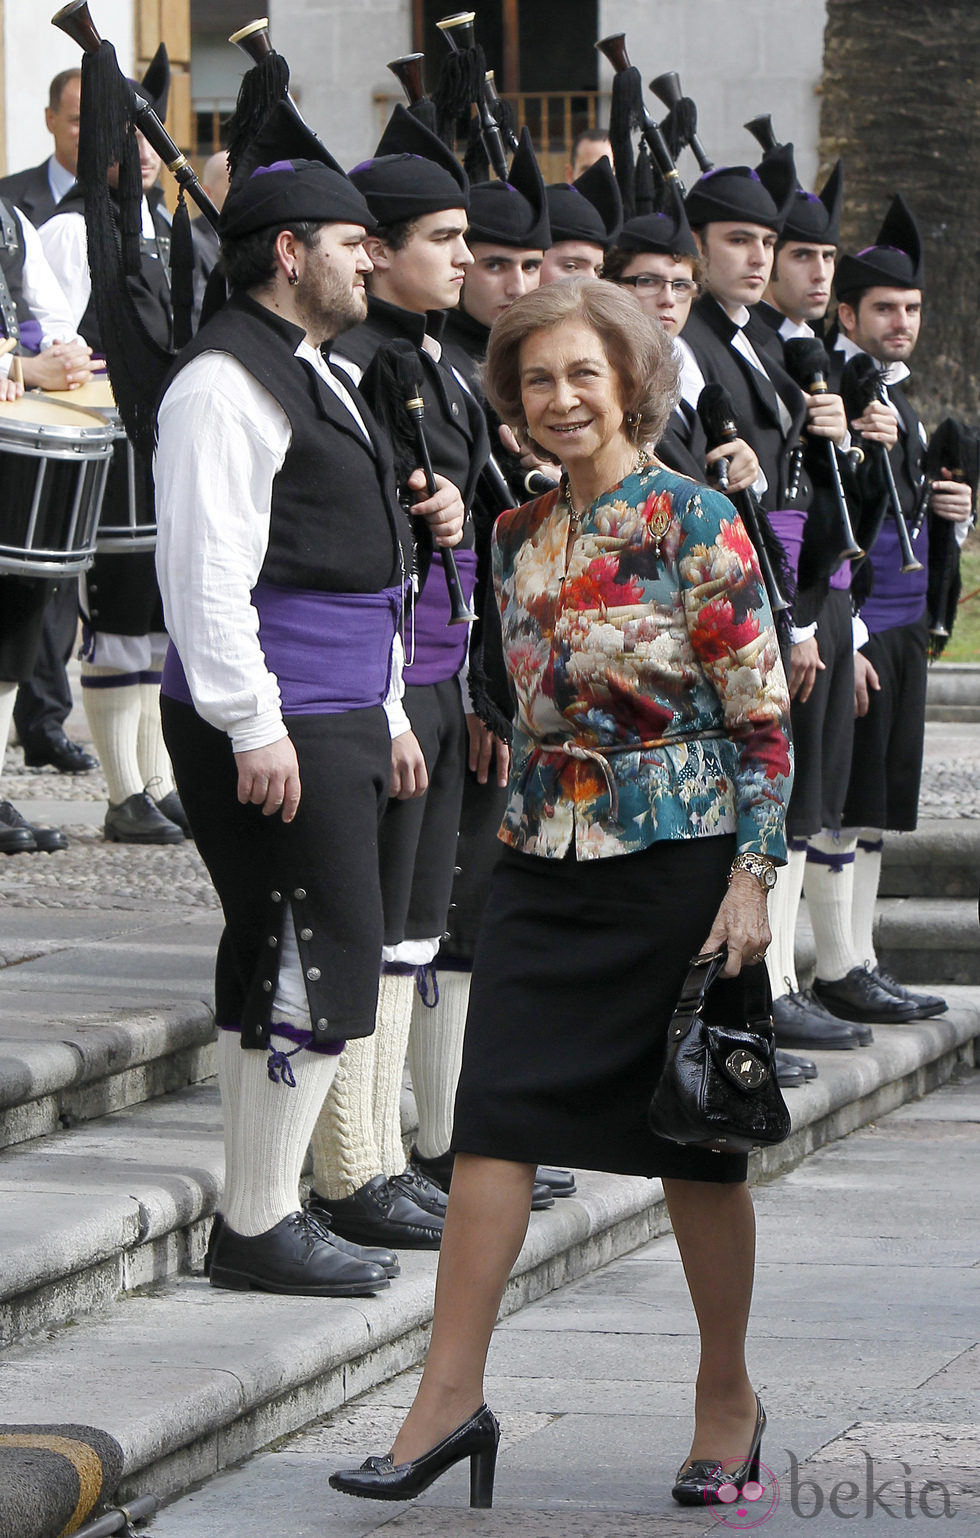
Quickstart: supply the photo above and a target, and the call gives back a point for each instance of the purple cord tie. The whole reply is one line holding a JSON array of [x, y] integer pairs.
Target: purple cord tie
[[424, 976]]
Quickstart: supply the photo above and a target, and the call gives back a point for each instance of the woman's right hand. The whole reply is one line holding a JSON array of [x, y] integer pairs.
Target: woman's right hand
[[741, 923]]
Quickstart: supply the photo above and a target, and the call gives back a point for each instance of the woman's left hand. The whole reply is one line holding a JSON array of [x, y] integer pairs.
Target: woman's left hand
[[742, 923]]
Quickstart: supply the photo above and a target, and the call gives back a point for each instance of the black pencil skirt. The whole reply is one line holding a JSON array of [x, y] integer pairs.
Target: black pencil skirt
[[577, 970]]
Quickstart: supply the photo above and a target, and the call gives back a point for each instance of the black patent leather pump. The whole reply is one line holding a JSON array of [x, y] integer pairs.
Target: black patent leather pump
[[698, 1484], [379, 1479]]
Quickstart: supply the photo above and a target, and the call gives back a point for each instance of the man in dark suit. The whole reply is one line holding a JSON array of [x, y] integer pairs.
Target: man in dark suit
[[44, 701], [38, 191]]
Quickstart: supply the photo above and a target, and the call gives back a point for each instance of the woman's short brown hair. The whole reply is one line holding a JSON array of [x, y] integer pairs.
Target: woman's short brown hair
[[637, 347]]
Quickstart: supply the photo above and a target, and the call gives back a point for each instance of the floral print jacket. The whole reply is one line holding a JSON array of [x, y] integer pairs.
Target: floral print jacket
[[651, 699]]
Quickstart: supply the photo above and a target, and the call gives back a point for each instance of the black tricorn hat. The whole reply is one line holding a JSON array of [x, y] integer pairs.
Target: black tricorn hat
[[810, 216], [894, 261], [285, 175], [412, 173], [667, 231], [731, 193], [590, 208], [155, 85], [514, 212]]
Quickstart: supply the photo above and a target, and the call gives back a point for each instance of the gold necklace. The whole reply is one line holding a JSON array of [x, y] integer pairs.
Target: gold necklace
[[575, 515]]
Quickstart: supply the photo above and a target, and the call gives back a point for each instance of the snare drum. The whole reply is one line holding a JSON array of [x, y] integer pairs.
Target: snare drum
[[54, 463], [128, 520]]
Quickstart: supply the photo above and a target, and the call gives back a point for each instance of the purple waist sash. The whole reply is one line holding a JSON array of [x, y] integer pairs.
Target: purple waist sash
[[787, 525], [331, 652], [31, 334], [440, 648], [841, 579]]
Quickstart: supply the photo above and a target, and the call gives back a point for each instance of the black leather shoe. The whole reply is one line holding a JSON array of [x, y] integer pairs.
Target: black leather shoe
[[43, 840], [926, 1004], [171, 807], [788, 1075], [559, 1182], [440, 1172], [293, 1257], [378, 1215], [796, 1025], [137, 821], [414, 1183], [15, 834], [806, 1065], [865, 1035], [703, 1483], [386, 1259], [374, 1254], [859, 996], [67, 757], [379, 1479]]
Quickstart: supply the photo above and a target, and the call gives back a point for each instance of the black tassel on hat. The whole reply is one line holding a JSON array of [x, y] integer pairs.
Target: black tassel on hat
[[136, 363], [625, 116], [644, 183], [265, 84]]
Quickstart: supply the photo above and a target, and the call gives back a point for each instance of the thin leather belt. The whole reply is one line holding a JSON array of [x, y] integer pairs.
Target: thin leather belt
[[600, 755]]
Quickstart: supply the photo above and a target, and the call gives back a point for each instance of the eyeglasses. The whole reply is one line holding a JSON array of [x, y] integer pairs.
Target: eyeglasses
[[681, 288]]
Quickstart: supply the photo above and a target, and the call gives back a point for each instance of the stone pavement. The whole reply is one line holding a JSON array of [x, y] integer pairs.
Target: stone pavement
[[864, 1345]]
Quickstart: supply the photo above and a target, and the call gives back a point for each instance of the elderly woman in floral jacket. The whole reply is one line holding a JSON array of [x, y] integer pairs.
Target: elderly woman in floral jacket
[[649, 775]]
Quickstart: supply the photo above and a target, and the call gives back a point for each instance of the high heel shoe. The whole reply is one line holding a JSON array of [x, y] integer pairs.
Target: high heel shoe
[[382, 1480], [698, 1484]]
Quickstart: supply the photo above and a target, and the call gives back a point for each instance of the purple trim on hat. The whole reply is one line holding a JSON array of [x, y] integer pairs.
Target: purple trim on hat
[[277, 165], [869, 251], [811, 197]]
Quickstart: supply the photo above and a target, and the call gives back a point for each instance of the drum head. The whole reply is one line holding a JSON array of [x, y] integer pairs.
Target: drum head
[[95, 396], [43, 425]]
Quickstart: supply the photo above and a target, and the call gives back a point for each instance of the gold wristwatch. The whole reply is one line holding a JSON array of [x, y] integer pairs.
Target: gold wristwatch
[[758, 865]]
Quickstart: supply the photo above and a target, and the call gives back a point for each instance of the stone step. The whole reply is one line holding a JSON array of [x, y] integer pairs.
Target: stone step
[[78, 1036], [932, 940], [940, 859], [953, 683], [190, 1379]]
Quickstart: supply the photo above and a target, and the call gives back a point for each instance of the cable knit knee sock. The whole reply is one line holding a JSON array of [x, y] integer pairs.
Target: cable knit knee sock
[[151, 750], [112, 707], [345, 1156], [784, 908], [395, 994], [829, 887], [268, 1125], [435, 1049], [867, 876]]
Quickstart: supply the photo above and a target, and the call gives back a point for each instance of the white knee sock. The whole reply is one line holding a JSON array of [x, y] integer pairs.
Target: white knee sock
[[829, 887], [345, 1156], [8, 694], [151, 750], [867, 875], [271, 1125], [784, 908], [395, 994], [435, 1048], [113, 714]]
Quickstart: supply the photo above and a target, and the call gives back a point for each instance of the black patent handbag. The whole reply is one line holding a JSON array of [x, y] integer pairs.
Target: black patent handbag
[[718, 1089]]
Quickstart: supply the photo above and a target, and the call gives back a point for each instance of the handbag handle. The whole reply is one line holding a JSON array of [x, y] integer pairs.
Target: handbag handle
[[703, 972]]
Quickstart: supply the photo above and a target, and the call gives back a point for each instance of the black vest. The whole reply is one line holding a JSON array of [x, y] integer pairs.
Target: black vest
[[709, 333], [14, 310], [335, 526], [150, 287], [453, 422]]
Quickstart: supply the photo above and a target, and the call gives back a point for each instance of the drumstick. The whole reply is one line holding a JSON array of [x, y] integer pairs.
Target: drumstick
[[7, 345], [16, 374]]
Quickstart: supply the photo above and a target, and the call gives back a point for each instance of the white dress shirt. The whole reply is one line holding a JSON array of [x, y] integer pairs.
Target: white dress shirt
[[42, 295], [222, 441]]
